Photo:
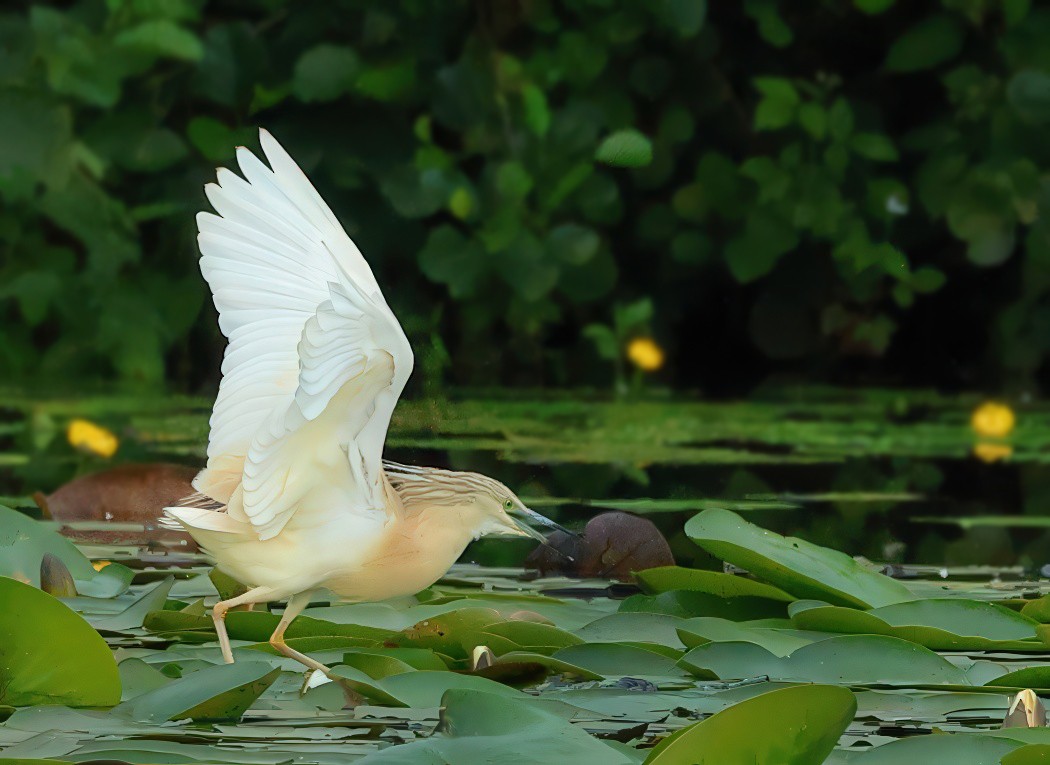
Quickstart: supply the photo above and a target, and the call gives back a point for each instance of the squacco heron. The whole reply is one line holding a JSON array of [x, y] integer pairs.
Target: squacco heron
[[296, 495]]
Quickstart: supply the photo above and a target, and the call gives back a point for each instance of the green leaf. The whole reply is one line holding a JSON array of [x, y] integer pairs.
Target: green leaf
[[686, 17], [813, 118], [874, 7], [604, 340], [24, 542], [573, 244], [842, 660], [778, 640], [324, 73], [620, 659], [221, 692], [687, 603], [527, 269], [450, 258], [754, 254], [1029, 94], [537, 112], [940, 624], [927, 44], [162, 37], [779, 103], [788, 726], [49, 654], [625, 148], [480, 726], [874, 146], [135, 614], [664, 578], [771, 25], [794, 565]]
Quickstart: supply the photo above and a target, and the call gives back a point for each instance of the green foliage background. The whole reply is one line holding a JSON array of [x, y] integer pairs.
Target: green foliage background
[[827, 189]]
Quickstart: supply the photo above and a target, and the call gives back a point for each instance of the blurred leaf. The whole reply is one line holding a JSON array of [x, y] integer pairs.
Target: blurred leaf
[[162, 37], [573, 244], [927, 44], [764, 241], [449, 258], [325, 72], [771, 25], [1029, 93], [625, 148], [874, 146], [537, 112], [779, 103]]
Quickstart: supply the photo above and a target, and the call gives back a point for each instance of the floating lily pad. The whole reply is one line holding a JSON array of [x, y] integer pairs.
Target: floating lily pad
[[620, 659], [788, 726], [954, 749], [49, 654], [220, 692], [478, 726], [689, 603], [717, 583], [24, 542], [779, 641], [421, 688], [257, 626], [794, 565], [135, 614], [844, 660], [946, 624]]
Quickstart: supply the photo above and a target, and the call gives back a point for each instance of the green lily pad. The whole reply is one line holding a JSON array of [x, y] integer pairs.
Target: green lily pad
[[843, 660], [24, 542], [478, 726], [257, 626], [794, 565], [663, 578], [709, 629], [526, 636], [689, 603], [945, 624], [639, 627], [422, 688], [135, 614], [619, 660], [49, 654], [953, 749], [220, 692], [788, 726], [551, 664], [378, 663]]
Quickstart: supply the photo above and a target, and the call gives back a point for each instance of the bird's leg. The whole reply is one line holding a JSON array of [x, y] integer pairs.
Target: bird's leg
[[218, 616], [296, 604]]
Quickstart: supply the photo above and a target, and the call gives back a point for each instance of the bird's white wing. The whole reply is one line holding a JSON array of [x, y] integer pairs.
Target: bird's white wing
[[316, 359]]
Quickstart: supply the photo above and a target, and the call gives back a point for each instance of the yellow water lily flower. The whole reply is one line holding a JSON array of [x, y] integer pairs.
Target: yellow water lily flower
[[993, 420], [92, 438], [645, 354], [987, 451]]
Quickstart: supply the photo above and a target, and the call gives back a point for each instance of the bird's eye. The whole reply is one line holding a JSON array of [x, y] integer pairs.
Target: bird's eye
[[509, 504]]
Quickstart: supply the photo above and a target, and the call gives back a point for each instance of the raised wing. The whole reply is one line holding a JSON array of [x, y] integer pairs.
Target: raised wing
[[316, 359]]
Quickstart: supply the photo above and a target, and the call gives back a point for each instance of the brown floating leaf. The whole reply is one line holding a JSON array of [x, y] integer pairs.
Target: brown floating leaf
[[55, 578], [614, 545], [135, 493]]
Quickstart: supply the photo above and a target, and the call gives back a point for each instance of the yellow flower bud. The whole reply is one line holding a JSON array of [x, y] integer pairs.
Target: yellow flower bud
[[98, 565], [993, 420], [92, 438], [645, 354]]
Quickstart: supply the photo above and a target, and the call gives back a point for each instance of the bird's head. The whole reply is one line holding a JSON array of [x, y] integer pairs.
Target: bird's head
[[485, 505], [501, 513]]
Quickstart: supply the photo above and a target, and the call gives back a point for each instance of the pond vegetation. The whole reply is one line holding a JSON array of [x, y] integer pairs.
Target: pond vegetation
[[756, 647]]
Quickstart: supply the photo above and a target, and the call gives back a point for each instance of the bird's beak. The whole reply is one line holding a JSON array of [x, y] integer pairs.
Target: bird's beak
[[521, 517]]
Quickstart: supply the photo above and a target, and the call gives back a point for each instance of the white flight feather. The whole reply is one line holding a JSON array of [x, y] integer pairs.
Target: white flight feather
[[316, 359]]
